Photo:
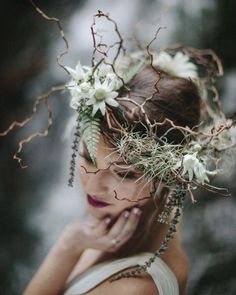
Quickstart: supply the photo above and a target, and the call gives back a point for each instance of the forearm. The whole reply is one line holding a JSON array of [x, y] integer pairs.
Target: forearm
[[54, 271], [58, 265]]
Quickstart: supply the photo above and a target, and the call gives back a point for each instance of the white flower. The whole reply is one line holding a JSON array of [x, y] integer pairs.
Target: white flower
[[100, 94], [178, 65], [84, 87], [80, 73], [78, 92], [195, 169], [105, 71], [75, 98]]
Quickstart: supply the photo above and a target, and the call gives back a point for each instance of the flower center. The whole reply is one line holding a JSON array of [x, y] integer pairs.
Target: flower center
[[100, 94]]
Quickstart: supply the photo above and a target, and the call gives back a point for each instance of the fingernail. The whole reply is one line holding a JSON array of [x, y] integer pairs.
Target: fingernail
[[126, 214], [107, 220], [136, 211]]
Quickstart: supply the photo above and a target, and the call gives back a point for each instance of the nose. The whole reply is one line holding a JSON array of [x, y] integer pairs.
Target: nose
[[99, 183]]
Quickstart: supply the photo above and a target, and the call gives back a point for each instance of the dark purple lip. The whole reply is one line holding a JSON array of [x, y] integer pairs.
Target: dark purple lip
[[95, 203]]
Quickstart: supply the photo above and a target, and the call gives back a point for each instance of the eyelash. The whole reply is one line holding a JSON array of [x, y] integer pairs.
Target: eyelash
[[128, 175]]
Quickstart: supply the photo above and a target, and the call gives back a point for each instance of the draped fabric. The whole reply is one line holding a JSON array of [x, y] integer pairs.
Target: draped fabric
[[161, 274]]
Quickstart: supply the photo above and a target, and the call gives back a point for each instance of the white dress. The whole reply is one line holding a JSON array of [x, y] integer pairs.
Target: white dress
[[161, 274]]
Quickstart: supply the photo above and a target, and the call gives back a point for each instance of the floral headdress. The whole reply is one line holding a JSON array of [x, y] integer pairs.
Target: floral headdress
[[94, 89], [181, 167]]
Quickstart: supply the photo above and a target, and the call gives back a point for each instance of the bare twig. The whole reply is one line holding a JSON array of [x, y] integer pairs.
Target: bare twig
[[58, 22]]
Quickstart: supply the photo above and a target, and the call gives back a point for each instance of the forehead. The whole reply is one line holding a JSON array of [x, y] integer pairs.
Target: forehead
[[107, 152]]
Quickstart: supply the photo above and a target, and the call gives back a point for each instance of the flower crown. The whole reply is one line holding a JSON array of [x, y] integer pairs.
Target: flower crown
[[93, 89], [97, 87], [183, 167]]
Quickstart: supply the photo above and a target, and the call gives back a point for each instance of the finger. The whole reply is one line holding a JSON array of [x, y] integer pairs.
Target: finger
[[130, 225], [119, 225], [102, 227], [92, 222]]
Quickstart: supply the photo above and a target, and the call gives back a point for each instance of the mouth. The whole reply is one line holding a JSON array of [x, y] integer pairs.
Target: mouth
[[92, 200]]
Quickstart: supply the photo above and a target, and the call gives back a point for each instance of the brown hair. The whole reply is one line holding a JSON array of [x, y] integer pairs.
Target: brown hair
[[174, 98]]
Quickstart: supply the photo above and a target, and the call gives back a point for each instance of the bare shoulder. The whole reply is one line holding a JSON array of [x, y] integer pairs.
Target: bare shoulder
[[140, 285], [179, 264], [181, 270], [177, 260]]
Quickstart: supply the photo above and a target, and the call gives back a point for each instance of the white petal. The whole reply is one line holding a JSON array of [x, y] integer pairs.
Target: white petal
[[102, 107], [74, 103], [106, 85], [74, 93], [178, 65], [190, 174], [97, 82], [112, 102], [112, 84], [184, 171], [91, 101], [95, 109], [73, 73], [181, 58], [91, 92], [79, 69], [112, 94]]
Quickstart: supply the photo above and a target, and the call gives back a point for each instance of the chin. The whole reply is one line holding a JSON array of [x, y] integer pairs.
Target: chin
[[98, 213], [101, 213]]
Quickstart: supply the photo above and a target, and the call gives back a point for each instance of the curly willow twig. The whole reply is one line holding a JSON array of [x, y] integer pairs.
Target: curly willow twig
[[54, 19], [41, 98], [24, 122], [96, 46], [100, 44], [33, 135]]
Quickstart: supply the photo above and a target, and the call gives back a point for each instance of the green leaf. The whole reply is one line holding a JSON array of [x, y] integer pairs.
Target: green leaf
[[91, 131], [133, 70]]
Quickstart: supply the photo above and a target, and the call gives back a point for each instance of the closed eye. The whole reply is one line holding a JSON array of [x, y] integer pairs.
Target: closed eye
[[128, 174], [87, 158], [122, 174]]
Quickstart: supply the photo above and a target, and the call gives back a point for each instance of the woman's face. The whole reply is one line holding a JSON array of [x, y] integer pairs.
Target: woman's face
[[112, 186]]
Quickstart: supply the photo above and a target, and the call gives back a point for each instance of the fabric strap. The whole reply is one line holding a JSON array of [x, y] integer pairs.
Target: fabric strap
[[161, 274]]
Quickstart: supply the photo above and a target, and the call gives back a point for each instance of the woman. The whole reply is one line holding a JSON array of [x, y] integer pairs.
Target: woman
[[159, 102]]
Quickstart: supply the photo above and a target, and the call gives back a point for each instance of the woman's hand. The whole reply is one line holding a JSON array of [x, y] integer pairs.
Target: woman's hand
[[54, 271], [101, 235]]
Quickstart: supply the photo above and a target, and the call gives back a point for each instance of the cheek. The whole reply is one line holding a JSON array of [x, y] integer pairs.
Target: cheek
[[82, 167], [125, 195], [133, 194]]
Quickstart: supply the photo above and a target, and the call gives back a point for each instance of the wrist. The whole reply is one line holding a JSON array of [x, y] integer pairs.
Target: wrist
[[66, 248]]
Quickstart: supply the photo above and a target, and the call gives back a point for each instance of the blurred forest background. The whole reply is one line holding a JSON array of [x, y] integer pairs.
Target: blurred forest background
[[35, 203]]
